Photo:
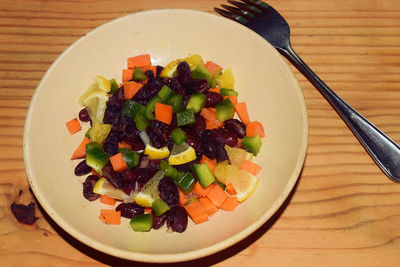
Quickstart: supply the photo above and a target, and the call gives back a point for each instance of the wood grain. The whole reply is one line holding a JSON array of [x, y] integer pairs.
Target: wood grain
[[343, 211]]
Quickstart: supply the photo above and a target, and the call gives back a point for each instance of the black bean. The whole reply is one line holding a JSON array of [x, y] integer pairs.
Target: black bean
[[158, 221], [200, 124], [156, 137], [129, 175], [176, 86], [111, 115], [111, 145], [235, 126], [154, 164], [221, 154], [113, 177], [117, 99], [192, 141], [128, 210], [149, 90], [159, 70], [198, 86], [177, 219], [88, 186], [150, 75], [129, 186], [184, 73], [213, 99], [82, 169], [208, 149], [84, 115], [228, 138], [168, 191]]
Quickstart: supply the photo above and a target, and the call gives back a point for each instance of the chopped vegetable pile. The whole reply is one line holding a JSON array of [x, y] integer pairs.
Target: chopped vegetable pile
[[166, 144]]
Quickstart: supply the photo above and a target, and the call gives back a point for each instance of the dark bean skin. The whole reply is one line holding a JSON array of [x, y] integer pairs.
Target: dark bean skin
[[113, 177], [129, 186], [159, 70], [192, 141], [184, 73], [208, 149], [82, 169], [158, 221], [213, 99], [84, 115], [129, 175], [111, 145], [221, 154], [200, 124], [175, 85], [228, 138], [128, 210], [150, 75], [235, 126], [156, 137], [110, 115], [88, 186], [177, 219], [168, 191], [199, 86]]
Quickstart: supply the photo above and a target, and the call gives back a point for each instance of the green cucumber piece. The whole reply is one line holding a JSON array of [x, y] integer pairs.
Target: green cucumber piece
[[131, 108], [138, 74], [165, 93], [196, 102], [142, 222], [201, 72], [224, 111], [141, 121], [215, 78], [131, 157], [96, 158], [160, 207], [178, 136], [151, 107], [114, 86], [91, 145], [169, 171], [186, 182], [204, 174], [221, 184], [252, 144], [185, 117], [228, 92], [176, 101]]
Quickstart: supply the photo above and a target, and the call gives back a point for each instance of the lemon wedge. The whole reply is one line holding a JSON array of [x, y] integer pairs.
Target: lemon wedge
[[95, 103], [181, 154], [156, 153], [170, 68], [226, 80], [98, 83], [149, 192], [99, 132], [193, 61], [238, 155], [103, 187], [244, 182]]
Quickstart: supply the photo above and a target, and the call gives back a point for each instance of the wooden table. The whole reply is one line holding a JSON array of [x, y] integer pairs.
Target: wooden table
[[343, 210]]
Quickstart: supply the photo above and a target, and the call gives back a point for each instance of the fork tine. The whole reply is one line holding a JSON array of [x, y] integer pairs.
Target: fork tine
[[254, 10], [257, 3], [244, 13], [231, 15]]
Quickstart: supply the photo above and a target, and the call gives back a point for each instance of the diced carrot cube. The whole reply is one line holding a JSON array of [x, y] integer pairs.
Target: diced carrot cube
[[229, 204], [73, 126], [130, 89], [208, 206], [118, 163], [109, 216], [217, 195], [107, 200]]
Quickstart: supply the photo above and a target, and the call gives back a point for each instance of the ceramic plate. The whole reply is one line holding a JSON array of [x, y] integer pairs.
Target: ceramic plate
[[263, 79]]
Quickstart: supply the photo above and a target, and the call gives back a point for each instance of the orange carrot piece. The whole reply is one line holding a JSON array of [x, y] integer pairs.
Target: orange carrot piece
[[255, 128], [211, 163], [107, 200], [196, 212], [208, 188], [212, 67], [215, 90], [183, 198], [73, 126], [147, 210], [251, 167], [118, 163], [199, 190], [211, 125], [80, 152], [152, 68], [209, 115], [229, 204], [217, 195], [110, 216], [127, 75], [229, 188], [241, 110], [163, 113], [208, 206], [139, 61], [124, 145], [131, 88], [232, 98]]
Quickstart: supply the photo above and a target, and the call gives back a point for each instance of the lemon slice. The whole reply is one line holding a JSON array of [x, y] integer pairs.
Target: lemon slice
[[170, 68], [103, 187], [149, 192], [238, 155], [99, 83], [181, 154], [156, 153], [95, 103], [99, 132], [244, 182], [226, 80]]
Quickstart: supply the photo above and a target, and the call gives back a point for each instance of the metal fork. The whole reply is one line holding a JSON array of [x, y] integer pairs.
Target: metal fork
[[267, 22]]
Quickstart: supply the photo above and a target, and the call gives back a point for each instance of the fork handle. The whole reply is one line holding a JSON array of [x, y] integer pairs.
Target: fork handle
[[383, 150]]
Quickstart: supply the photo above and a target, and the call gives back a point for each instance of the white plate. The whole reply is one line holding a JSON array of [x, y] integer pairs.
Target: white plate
[[263, 80]]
